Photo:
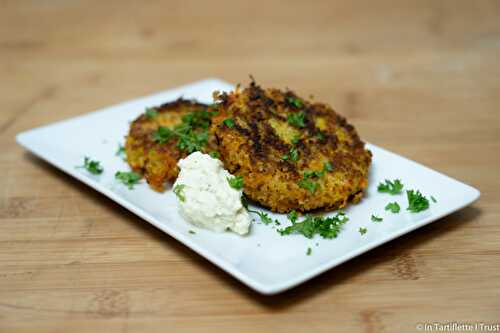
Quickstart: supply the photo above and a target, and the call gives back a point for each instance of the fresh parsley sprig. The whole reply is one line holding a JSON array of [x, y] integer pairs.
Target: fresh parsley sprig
[[326, 227], [391, 187], [393, 207], [128, 178], [92, 166], [416, 201], [376, 219], [264, 217], [191, 134]]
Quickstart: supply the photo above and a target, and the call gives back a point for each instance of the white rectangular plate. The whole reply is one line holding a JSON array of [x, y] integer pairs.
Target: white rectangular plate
[[264, 260]]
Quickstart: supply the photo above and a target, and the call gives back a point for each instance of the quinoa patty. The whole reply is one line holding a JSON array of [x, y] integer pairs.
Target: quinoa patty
[[155, 157], [293, 154]]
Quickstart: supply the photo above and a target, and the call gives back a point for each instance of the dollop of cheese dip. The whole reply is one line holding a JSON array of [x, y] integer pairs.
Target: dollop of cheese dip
[[205, 197]]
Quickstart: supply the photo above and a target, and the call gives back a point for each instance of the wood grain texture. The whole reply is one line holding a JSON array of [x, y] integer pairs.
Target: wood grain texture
[[420, 78]]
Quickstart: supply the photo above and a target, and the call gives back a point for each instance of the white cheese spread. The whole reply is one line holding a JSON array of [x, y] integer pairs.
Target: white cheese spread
[[205, 197]]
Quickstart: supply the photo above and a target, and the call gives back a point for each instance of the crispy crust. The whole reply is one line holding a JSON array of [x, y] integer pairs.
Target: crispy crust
[[253, 148], [158, 162]]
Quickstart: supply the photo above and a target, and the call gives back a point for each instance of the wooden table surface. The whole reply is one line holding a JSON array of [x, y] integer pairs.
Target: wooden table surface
[[419, 78]]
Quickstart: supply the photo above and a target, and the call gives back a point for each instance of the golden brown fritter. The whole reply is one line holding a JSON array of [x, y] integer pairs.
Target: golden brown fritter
[[155, 156], [291, 153]]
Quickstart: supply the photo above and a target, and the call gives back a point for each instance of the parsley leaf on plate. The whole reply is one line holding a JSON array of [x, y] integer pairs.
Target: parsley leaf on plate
[[433, 199], [94, 167], [264, 217], [376, 218], [393, 207], [416, 201], [309, 251], [128, 178], [293, 216], [391, 187], [120, 151], [326, 227], [362, 231]]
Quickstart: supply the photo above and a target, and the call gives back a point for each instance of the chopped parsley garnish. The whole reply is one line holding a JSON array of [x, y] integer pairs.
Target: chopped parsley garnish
[[295, 140], [94, 167], [193, 141], [191, 134], [309, 185], [120, 151], [320, 136], [229, 122], [214, 154], [327, 167], [297, 119], [433, 199], [128, 178], [313, 174], [376, 218], [393, 187], [264, 217], [151, 113], [178, 190], [163, 134], [293, 216], [362, 231], [236, 182], [294, 101], [416, 201], [309, 251], [192, 232], [198, 119], [292, 155], [393, 207], [326, 227]]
